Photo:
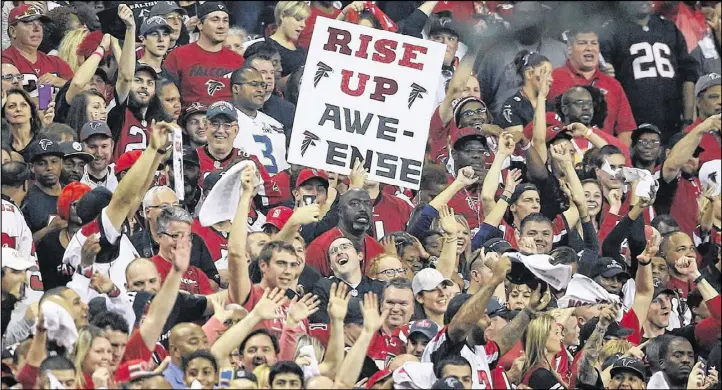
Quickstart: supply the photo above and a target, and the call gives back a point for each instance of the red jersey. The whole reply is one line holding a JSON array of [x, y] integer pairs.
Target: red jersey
[[204, 76], [390, 214], [682, 287], [317, 251], [685, 208], [274, 326], [32, 71], [438, 138], [710, 143], [194, 280], [467, 203], [619, 115], [304, 39], [130, 130], [217, 243], [384, 348]]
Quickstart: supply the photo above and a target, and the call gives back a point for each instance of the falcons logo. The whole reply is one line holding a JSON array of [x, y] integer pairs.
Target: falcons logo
[[214, 86], [713, 177], [44, 143], [321, 72], [308, 138], [416, 92]]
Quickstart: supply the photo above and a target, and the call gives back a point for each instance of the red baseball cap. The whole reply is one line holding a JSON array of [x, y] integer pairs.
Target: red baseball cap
[[278, 216], [307, 174], [126, 160], [26, 13], [457, 134], [378, 377], [132, 370], [555, 128]]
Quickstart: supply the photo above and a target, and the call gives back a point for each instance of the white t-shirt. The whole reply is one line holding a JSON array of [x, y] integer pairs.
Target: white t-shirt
[[268, 138]]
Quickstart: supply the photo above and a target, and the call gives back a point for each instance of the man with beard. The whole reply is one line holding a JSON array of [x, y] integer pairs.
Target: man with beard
[[650, 59], [193, 122], [497, 76], [135, 99], [678, 184], [155, 35], [345, 259], [74, 162], [708, 91], [646, 147], [249, 89], [355, 210], [15, 183], [202, 67], [582, 68], [191, 176], [25, 29], [14, 281], [97, 139], [40, 204]]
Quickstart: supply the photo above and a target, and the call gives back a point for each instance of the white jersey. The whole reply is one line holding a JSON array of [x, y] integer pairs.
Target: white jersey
[[17, 235], [480, 358], [268, 137]]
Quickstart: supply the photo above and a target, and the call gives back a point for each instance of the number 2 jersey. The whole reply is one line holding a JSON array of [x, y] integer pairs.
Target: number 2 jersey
[[651, 62], [130, 130]]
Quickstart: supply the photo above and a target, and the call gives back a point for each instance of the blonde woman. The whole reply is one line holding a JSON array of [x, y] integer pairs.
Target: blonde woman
[[92, 356], [261, 372], [69, 46], [385, 267], [290, 21], [542, 341]]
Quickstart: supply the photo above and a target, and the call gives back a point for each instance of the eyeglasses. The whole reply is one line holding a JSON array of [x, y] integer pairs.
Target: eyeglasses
[[392, 272], [470, 113], [215, 125], [646, 142], [13, 77], [255, 84], [173, 18], [473, 151], [176, 236], [342, 247], [162, 205]]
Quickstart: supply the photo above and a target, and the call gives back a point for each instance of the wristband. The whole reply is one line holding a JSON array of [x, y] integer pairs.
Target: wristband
[[699, 279], [642, 263], [505, 198], [588, 133], [100, 54]]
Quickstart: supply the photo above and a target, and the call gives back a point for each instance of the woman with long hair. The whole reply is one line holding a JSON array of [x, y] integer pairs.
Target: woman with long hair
[[69, 46], [22, 115], [535, 71], [85, 107], [542, 341], [92, 352], [290, 19], [594, 198]]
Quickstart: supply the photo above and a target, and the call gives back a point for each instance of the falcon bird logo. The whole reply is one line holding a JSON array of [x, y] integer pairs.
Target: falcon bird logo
[[44, 143], [214, 86], [308, 140], [417, 91], [321, 72]]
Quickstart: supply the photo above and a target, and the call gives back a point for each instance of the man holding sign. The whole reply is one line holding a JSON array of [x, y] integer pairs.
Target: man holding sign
[[377, 100]]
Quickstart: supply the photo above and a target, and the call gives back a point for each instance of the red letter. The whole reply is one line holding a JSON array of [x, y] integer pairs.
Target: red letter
[[338, 38], [410, 54], [362, 51], [384, 86], [384, 51], [346, 77]]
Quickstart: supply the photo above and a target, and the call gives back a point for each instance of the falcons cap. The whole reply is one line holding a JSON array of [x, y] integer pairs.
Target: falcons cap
[[308, 174], [222, 109], [44, 147], [278, 216], [26, 13], [93, 128]]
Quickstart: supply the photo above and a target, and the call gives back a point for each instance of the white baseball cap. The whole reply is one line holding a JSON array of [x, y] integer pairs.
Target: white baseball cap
[[428, 279], [11, 258], [709, 175]]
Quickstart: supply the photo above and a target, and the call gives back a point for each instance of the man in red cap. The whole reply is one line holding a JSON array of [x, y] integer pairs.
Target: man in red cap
[[26, 33]]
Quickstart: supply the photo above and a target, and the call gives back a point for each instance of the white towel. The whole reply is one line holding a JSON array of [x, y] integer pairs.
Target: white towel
[[583, 291], [312, 369], [658, 381], [710, 175], [220, 204], [59, 324], [646, 180], [414, 375], [558, 276]]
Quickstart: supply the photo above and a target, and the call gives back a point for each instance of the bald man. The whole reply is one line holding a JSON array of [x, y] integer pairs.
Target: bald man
[[153, 382], [675, 246], [13, 76], [185, 338], [141, 275]]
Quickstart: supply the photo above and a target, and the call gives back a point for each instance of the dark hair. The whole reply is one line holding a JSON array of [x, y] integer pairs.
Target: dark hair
[[293, 85], [272, 247], [604, 151], [285, 367], [77, 113], [527, 59], [534, 217], [262, 47], [258, 56], [55, 291], [56, 131], [449, 360], [403, 241], [238, 73], [35, 123], [601, 109], [694, 300], [399, 283], [55, 29], [199, 353], [563, 255], [159, 85], [664, 347], [110, 320], [664, 219], [56, 363], [274, 340], [433, 174], [367, 15], [588, 171], [14, 173], [654, 348]]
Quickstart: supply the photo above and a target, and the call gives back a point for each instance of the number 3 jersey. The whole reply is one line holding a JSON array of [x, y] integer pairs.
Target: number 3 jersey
[[264, 138], [651, 62]]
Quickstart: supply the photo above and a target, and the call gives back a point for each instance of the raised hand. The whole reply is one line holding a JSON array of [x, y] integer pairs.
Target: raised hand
[[637, 352], [101, 283], [560, 154], [614, 198], [490, 129], [248, 177], [105, 42], [608, 314], [499, 267], [219, 307], [539, 300], [389, 244], [506, 145], [300, 309], [696, 377], [466, 177], [182, 255], [527, 245], [545, 82], [513, 178], [101, 377], [90, 249], [48, 115], [447, 220], [577, 129], [126, 15], [358, 174], [370, 308], [160, 135], [712, 378], [338, 301], [687, 265], [306, 214], [268, 307]]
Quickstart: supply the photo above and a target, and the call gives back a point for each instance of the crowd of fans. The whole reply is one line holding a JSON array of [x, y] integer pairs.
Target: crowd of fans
[[566, 232]]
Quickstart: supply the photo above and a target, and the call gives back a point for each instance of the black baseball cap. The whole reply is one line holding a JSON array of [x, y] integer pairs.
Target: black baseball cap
[[498, 245], [190, 155], [139, 67], [520, 189], [75, 149], [163, 8], [444, 24], [154, 23], [645, 128], [210, 7], [630, 365], [94, 128], [495, 308], [211, 180], [661, 288], [93, 203], [426, 327], [606, 267], [44, 147], [193, 108], [614, 330]]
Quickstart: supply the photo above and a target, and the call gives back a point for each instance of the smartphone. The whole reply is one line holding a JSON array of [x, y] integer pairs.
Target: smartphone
[[704, 364], [225, 378], [45, 96], [309, 199]]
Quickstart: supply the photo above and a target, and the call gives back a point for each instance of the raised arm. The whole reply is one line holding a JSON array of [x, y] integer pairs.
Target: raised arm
[[511, 333], [539, 137], [301, 216], [576, 191], [588, 373], [491, 181], [457, 84], [447, 258], [240, 285], [684, 149], [86, 71], [126, 63], [644, 283], [465, 177], [493, 218], [337, 309], [128, 195]]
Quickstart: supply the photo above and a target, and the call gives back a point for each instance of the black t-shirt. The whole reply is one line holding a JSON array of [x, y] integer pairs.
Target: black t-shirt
[[50, 259], [62, 107], [290, 59], [38, 207], [542, 378], [323, 290], [281, 110], [516, 111]]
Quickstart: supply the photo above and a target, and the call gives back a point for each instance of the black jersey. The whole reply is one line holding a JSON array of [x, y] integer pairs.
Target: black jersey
[[651, 62], [516, 111]]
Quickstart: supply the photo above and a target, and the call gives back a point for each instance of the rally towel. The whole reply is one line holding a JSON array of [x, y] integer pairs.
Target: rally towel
[[557, 276], [583, 291], [220, 204], [59, 324]]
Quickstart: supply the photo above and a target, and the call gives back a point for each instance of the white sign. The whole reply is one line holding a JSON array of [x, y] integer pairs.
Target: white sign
[[366, 93]]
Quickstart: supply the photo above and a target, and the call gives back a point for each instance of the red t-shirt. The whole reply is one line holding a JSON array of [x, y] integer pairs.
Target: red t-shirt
[[438, 138], [680, 286], [304, 39], [619, 115], [136, 349], [194, 280], [390, 214], [217, 242], [317, 251], [467, 203], [203, 76], [32, 71], [710, 143], [685, 208], [274, 326]]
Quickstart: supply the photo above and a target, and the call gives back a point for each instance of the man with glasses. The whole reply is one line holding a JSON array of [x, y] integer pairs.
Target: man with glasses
[[646, 147], [173, 15], [249, 93], [26, 33], [11, 78]]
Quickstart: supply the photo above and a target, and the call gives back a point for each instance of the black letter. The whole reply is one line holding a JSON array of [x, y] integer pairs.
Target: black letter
[[356, 127], [355, 153], [407, 169], [336, 150], [383, 163], [380, 133], [332, 113]]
